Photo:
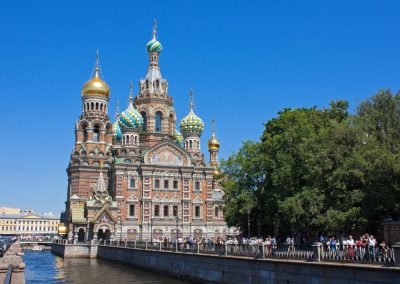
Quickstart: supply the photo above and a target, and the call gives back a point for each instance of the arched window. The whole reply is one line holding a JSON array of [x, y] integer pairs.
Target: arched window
[[85, 134], [97, 106], [171, 123], [198, 144], [190, 144], [158, 121], [96, 133], [127, 140], [101, 107], [136, 140], [147, 84], [144, 116], [157, 84], [92, 106]]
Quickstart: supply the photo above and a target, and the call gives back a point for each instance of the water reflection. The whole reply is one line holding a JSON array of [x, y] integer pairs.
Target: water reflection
[[44, 267]]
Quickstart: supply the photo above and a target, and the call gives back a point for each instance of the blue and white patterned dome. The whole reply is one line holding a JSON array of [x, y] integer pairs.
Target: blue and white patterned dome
[[117, 133], [130, 118], [191, 124], [178, 137]]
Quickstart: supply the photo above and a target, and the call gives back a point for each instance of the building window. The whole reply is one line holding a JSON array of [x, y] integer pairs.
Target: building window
[[175, 184], [175, 211], [166, 210], [132, 210], [156, 210], [197, 211], [216, 211], [197, 185], [157, 183], [166, 184], [190, 144], [144, 116], [158, 121], [132, 183], [96, 133]]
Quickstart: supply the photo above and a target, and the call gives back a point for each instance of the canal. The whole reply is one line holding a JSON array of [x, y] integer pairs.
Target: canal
[[45, 267]]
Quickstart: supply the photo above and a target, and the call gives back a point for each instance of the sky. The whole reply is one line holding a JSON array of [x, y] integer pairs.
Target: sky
[[244, 60]]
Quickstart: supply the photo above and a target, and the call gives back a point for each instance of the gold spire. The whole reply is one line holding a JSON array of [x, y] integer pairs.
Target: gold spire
[[97, 67], [96, 86], [213, 143]]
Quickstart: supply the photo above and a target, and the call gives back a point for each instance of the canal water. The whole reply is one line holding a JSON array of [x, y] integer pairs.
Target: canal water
[[45, 267]]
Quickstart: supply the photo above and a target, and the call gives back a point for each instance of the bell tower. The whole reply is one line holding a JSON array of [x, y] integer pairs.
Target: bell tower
[[153, 102], [93, 136]]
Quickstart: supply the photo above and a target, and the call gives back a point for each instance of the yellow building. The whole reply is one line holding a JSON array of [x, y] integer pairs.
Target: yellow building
[[26, 224]]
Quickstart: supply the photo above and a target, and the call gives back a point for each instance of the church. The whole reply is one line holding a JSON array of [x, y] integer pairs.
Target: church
[[139, 178]]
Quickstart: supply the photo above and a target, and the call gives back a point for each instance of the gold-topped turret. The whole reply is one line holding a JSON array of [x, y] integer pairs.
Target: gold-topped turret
[[96, 86], [213, 142]]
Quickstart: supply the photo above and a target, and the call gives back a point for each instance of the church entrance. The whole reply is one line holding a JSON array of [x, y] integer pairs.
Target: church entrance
[[100, 234], [107, 234], [81, 235]]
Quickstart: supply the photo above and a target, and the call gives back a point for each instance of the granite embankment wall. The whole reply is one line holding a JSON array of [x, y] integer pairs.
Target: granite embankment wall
[[13, 257], [225, 269], [75, 250]]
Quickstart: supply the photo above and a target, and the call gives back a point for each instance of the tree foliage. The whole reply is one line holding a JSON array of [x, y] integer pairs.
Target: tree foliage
[[319, 170]]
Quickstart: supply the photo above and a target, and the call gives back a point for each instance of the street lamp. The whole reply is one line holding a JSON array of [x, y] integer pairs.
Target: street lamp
[[151, 229], [190, 234], [177, 220], [275, 219], [248, 222], [120, 232]]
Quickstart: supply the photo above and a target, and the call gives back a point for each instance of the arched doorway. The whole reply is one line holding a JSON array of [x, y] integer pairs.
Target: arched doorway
[[81, 235], [100, 234], [107, 234]]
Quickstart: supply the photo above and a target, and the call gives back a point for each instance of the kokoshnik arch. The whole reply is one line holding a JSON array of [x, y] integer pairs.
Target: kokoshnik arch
[[140, 178]]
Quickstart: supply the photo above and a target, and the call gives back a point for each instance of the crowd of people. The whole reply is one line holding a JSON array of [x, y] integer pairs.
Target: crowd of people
[[364, 248]]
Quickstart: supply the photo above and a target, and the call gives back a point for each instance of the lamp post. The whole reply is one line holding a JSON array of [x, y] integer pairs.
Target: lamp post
[[177, 220], [190, 227], [248, 222], [120, 231], [275, 219], [151, 229]]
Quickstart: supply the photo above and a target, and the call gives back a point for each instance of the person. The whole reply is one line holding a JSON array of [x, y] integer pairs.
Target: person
[[371, 247], [384, 250], [350, 244]]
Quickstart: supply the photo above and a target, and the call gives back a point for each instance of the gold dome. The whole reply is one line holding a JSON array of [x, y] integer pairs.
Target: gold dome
[[96, 86], [213, 142]]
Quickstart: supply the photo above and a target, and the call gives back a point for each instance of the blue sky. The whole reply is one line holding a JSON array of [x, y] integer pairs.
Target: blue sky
[[245, 61]]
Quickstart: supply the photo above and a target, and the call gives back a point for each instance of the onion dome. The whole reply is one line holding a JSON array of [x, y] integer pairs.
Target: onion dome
[[213, 143], [130, 118], [154, 45], [117, 133], [178, 137], [191, 124], [96, 86]]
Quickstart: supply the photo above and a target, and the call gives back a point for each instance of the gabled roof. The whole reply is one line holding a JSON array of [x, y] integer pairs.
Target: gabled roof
[[106, 211]]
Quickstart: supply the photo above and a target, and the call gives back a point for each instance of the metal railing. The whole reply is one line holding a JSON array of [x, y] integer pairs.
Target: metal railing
[[317, 252], [357, 253], [7, 279]]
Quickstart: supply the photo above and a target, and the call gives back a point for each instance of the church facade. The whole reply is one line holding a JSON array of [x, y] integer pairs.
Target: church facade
[[139, 178]]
